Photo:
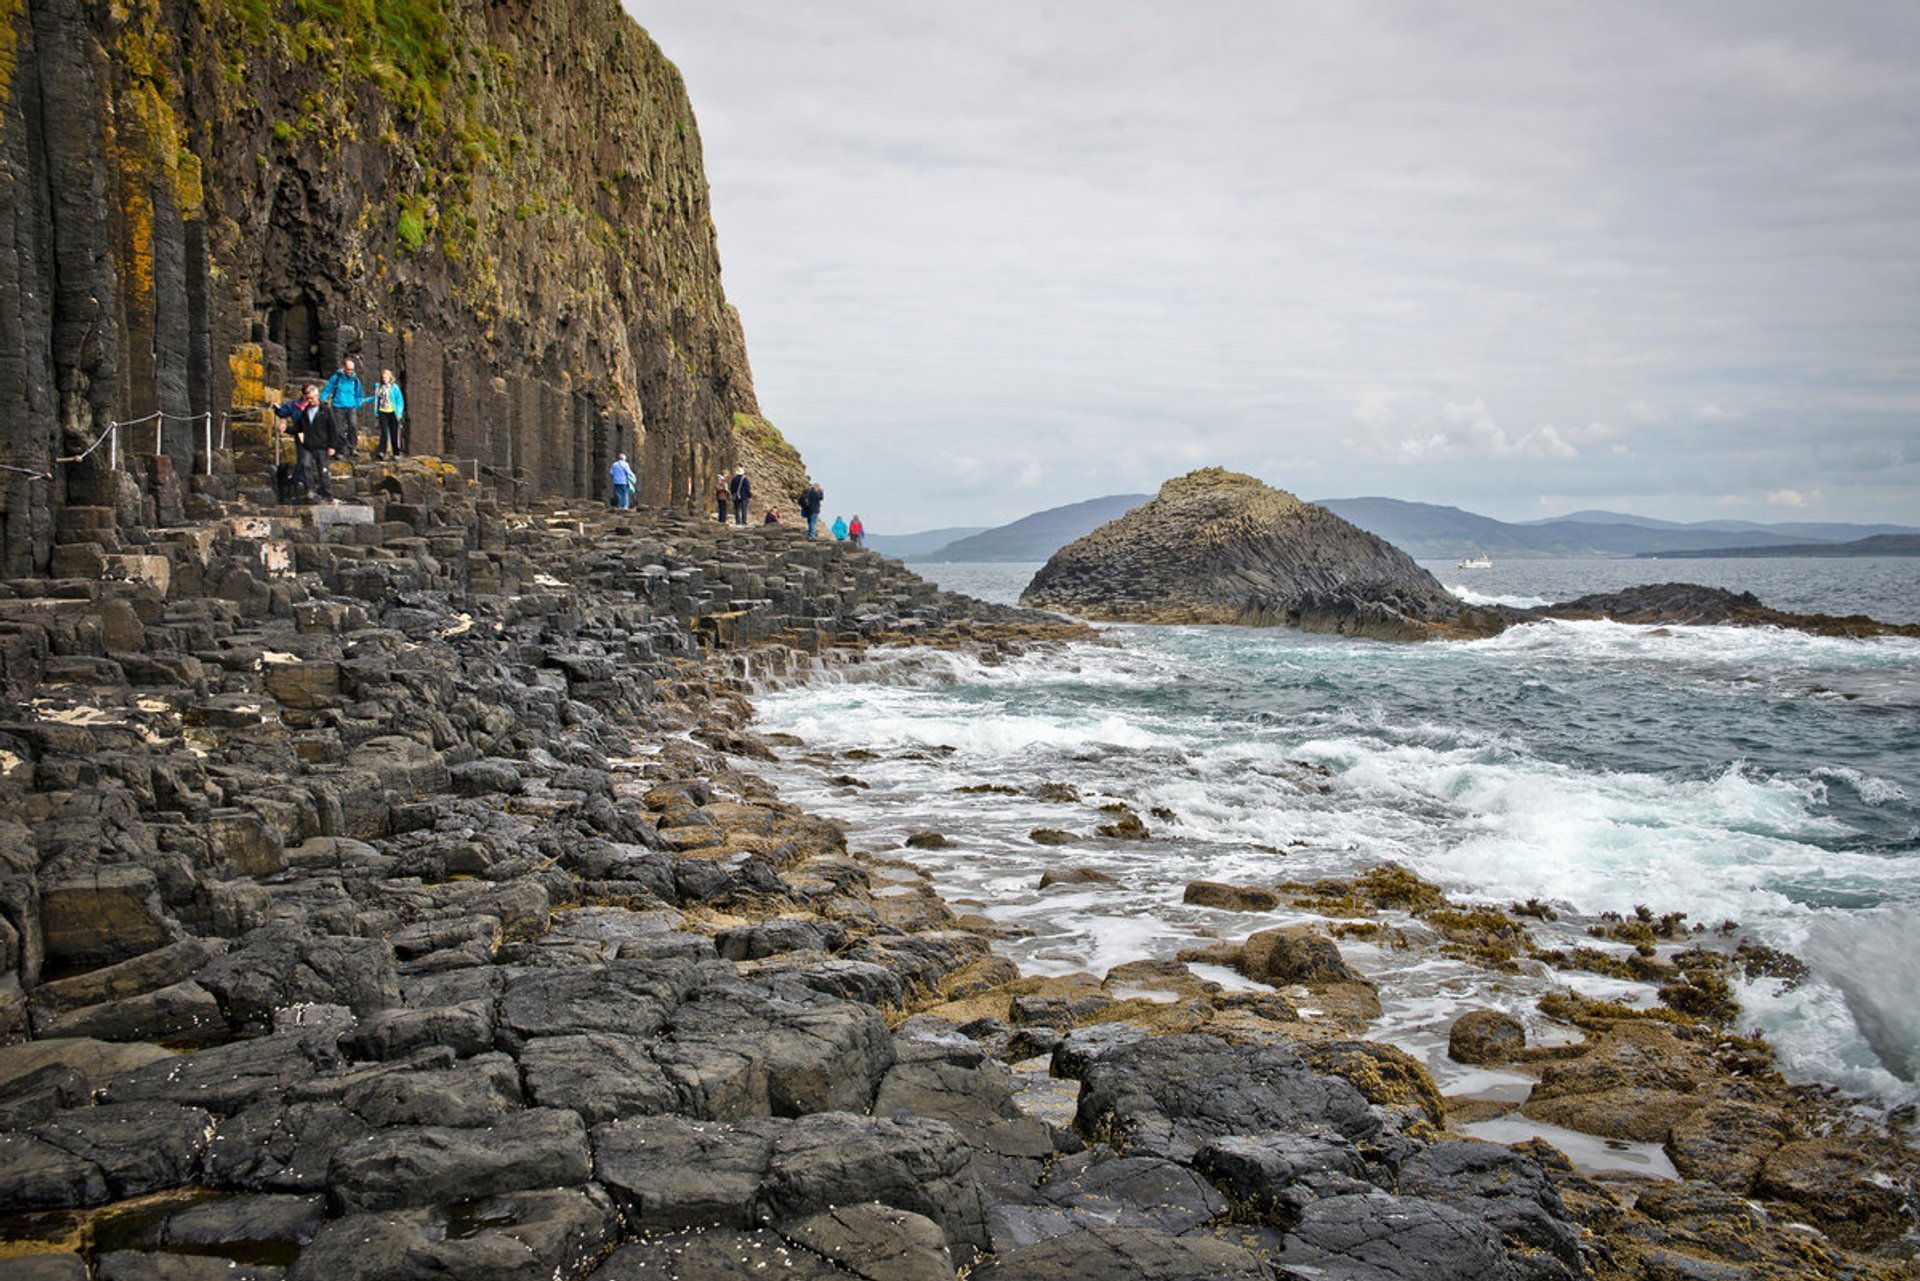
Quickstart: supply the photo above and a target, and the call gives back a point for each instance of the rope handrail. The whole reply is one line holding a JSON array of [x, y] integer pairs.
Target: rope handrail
[[205, 415]]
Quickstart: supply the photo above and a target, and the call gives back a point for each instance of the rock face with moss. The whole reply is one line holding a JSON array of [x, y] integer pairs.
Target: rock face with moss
[[204, 201], [1218, 547]]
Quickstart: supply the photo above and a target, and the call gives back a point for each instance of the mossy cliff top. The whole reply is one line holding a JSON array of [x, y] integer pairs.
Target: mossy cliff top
[[506, 204]]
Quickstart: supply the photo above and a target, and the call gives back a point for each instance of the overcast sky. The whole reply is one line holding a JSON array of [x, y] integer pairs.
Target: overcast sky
[[1521, 258]]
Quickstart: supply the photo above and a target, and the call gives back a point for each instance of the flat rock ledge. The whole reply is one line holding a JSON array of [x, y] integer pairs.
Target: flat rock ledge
[[394, 899]]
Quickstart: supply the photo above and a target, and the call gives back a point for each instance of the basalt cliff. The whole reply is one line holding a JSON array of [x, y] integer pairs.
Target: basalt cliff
[[1216, 546], [204, 201]]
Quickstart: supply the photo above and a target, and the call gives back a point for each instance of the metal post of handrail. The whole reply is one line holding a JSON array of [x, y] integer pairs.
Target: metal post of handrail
[[113, 447]]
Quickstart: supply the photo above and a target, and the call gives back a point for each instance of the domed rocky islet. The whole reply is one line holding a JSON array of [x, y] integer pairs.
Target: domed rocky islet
[[1216, 546]]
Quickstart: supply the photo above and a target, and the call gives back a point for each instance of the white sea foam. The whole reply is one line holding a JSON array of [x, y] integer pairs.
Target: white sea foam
[[1473, 597], [1275, 756]]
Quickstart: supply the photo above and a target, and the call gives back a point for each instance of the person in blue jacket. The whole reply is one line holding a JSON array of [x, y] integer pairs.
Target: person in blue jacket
[[742, 491], [389, 408], [346, 394], [810, 500], [622, 476]]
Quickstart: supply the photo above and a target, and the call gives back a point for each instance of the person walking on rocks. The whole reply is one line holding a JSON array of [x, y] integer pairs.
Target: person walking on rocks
[[856, 531], [742, 490], [839, 528], [345, 394], [723, 496], [622, 476], [810, 500], [313, 441], [389, 407]]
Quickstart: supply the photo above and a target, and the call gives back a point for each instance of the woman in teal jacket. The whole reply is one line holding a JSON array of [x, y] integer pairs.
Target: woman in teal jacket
[[389, 406]]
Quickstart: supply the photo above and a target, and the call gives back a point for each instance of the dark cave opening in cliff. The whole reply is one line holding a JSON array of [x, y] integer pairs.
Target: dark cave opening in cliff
[[295, 326]]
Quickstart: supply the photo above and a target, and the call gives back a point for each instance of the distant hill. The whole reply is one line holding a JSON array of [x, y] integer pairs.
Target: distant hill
[[1878, 545], [1427, 531], [1804, 530], [1038, 536], [907, 546], [1433, 532]]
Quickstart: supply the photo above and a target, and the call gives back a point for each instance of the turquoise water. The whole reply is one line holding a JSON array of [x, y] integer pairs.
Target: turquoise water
[[1760, 777]]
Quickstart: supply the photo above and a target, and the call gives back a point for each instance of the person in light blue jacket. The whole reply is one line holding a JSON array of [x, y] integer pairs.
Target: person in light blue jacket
[[345, 393], [622, 476], [390, 409]]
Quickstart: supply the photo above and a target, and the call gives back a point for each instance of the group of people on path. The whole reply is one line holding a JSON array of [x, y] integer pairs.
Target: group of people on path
[[732, 494], [321, 422]]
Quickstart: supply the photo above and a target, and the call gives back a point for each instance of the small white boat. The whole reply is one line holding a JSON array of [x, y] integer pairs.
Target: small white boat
[[1482, 561]]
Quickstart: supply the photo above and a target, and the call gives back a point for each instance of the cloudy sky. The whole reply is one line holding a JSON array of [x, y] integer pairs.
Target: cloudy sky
[[1521, 258]]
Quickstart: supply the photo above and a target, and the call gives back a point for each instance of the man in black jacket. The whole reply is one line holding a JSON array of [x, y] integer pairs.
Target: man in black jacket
[[742, 490], [312, 430]]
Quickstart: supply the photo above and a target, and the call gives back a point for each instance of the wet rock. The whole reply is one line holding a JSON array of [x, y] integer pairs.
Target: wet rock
[[600, 1075], [1124, 1254], [153, 1265], [1082, 1046], [516, 1236], [1098, 1188], [466, 1029], [1379, 1237], [1076, 876], [35, 1175], [468, 1094], [282, 964], [927, 841], [1168, 1095], [768, 938], [1386, 1075], [975, 1099], [1234, 898], [239, 1222], [107, 916], [225, 1078], [46, 1267], [148, 972], [278, 1146], [1507, 1191], [718, 1254], [1051, 836], [433, 1165], [670, 1174], [138, 1147], [1274, 1176], [1837, 1186], [1485, 1036], [179, 1010], [877, 1241], [1636, 1081], [487, 778], [743, 1051], [1726, 1142], [1294, 954], [631, 998]]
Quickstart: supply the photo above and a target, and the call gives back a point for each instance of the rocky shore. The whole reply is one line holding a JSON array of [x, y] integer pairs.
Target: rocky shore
[[386, 892]]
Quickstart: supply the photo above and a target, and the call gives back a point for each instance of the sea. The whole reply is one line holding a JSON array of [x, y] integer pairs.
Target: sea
[[1764, 782]]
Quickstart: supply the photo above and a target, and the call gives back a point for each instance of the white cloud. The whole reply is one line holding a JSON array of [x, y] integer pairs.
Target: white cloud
[[1374, 409], [1792, 498], [1241, 231]]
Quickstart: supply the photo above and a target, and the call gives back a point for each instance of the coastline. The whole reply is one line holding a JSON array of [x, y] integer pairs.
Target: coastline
[[483, 935]]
